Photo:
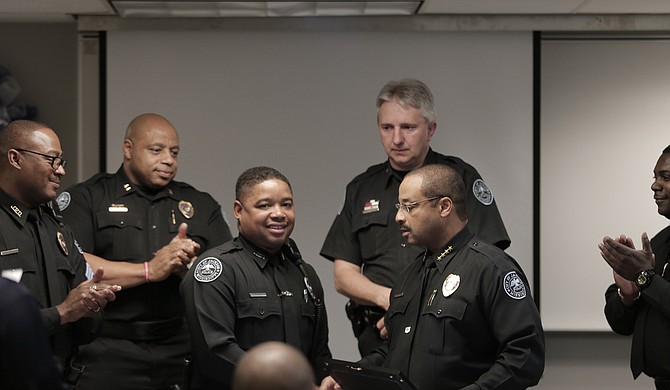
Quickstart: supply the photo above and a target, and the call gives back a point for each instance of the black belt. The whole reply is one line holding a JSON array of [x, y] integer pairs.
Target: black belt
[[143, 330]]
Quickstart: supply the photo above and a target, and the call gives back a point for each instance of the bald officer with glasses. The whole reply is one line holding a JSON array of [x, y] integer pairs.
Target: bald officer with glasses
[[461, 314], [38, 250]]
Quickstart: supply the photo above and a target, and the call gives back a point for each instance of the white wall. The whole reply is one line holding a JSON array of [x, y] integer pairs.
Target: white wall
[[304, 103]]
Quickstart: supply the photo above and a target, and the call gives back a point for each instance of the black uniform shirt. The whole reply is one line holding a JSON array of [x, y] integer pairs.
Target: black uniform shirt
[[52, 256], [365, 232], [238, 296], [116, 220], [648, 320], [471, 323]]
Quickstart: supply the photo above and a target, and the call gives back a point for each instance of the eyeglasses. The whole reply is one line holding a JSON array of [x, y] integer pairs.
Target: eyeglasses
[[56, 162], [407, 207]]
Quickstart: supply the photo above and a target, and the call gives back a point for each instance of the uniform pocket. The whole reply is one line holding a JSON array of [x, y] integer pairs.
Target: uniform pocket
[[437, 318], [371, 229]]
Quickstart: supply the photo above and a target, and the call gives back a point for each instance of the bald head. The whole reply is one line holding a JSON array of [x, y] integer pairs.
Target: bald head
[[273, 366], [144, 122]]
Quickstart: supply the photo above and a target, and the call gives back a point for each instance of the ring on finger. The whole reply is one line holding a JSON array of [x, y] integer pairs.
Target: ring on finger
[[93, 287], [97, 309]]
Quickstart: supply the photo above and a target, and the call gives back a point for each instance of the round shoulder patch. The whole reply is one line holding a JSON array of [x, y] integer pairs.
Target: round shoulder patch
[[63, 200], [514, 286], [208, 270], [482, 192]]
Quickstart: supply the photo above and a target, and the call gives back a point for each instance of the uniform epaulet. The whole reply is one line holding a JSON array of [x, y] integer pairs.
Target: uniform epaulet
[[230, 247], [371, 171], [499, 257]]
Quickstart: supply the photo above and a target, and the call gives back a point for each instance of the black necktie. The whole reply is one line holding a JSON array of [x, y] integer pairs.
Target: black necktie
[[413, 313], [50, 269], [290, 314]]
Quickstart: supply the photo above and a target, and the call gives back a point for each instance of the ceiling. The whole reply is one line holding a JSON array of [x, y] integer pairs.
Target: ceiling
[[68, 10]]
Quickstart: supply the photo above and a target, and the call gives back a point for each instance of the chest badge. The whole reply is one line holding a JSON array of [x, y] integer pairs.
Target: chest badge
[[61, 241], [16, 210], [186, 209], [450, 284], [371, 206]]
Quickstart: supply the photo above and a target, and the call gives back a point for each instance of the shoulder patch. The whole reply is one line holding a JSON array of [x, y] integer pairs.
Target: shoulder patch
[[482, 192], [514, 286], [208, 270], [63, 200]]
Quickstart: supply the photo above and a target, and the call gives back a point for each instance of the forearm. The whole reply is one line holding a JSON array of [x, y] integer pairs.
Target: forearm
[[122, 273], [350, 282]]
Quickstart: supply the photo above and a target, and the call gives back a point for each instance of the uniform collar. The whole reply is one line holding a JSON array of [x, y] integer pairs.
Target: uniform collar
[[123, 187], [260, 256], [16, 210], [448, 252], [391, 174]]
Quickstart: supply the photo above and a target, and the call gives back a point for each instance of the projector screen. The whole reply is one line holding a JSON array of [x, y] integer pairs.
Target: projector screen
[[304, 102]]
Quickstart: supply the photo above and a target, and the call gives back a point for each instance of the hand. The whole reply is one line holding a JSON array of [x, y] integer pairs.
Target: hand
[[87, 299], [624, 259], [328, 383], [381, 327], [173, 257]]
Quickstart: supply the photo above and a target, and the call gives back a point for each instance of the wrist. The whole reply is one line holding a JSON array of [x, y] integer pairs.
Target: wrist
[[628, 299], [147, 275], [644, 277]]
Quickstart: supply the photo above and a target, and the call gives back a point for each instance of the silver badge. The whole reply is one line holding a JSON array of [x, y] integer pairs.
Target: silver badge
[[482, 192], [63, 200], [208, 270], [450, 284], [514, 286]]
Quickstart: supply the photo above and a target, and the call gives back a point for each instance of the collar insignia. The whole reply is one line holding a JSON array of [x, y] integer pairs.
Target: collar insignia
[[16, 210], [445, 253]]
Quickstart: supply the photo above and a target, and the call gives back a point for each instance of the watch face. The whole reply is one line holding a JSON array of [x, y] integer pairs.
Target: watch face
[[642, 278]]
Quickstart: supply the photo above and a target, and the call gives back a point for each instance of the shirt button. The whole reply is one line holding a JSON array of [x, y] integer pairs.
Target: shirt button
[[261, 312], [439, 311], [121, 222], [153, 226], [403, 245]]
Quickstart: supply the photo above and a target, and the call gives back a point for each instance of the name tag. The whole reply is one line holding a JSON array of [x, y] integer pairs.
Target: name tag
[[258, 295], [9, 252], [118, 208]]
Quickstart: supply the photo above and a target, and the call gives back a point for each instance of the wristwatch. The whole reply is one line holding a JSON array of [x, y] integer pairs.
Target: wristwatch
[[643, 278]]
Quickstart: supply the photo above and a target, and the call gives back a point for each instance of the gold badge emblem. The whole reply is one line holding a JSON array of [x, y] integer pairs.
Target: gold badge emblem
[[186, 209], [450, 284], [61, 241]]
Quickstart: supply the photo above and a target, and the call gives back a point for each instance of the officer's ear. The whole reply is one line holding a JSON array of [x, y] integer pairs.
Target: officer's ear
[[14, 158], [446, 206], [237, 209]]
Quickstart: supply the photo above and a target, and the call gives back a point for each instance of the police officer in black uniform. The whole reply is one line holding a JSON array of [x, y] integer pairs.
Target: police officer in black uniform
[[39, 250], [461, 315], [364, 241], [255, 288], [144, 228]]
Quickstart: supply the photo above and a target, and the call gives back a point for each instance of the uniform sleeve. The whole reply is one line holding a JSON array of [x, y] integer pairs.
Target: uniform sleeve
[[211, 315], [218, 230], [341, 241], [78, 213], [515, 323], [26, 353], [620, 318], [483, 215], [320, 351]]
